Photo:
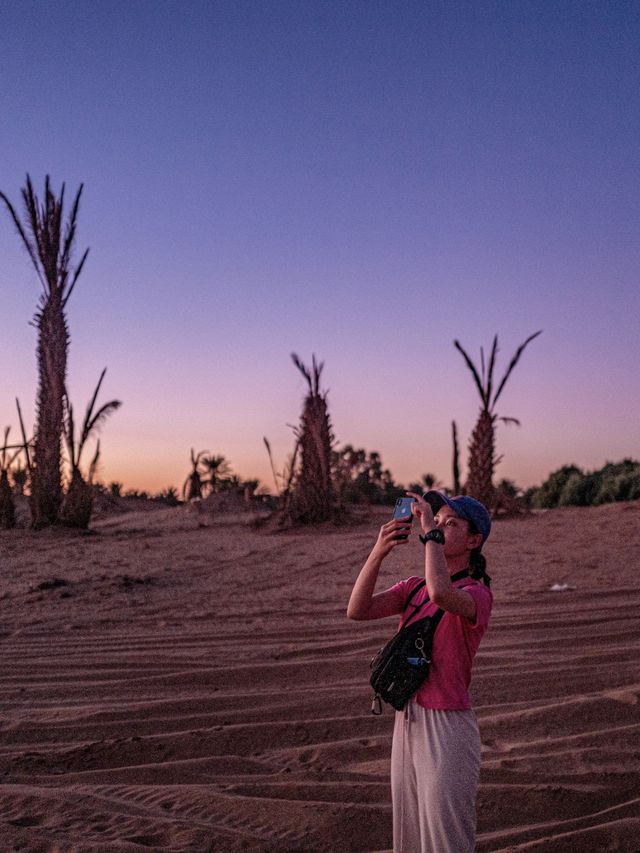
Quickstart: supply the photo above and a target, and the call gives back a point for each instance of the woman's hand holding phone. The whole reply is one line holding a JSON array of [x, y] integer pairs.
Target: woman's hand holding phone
[[394, 532]]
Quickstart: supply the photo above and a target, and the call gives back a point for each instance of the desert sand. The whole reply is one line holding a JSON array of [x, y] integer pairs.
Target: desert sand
[[183, 682]]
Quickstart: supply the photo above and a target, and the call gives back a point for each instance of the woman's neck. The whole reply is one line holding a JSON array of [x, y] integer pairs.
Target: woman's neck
[[457, 564]]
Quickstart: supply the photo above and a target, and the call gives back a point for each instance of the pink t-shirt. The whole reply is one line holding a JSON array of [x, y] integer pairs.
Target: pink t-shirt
[[455, 644]]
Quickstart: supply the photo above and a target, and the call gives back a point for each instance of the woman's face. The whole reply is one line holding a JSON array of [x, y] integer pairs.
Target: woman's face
[[457, 539]]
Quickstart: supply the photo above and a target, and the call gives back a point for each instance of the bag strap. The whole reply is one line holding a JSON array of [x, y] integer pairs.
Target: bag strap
[[437, 616]]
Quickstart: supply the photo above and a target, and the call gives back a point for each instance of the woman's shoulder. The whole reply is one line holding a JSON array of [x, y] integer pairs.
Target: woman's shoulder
[[412, 583], [407, 586], [477, 587]]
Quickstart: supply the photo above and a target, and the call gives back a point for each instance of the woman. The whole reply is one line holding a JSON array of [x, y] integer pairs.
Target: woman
[[435, 756]]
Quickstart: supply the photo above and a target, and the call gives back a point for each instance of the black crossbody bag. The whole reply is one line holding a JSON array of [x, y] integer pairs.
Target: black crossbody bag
[[402, 666]]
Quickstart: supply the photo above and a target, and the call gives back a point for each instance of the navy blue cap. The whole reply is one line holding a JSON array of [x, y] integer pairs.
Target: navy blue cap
[[466, 507]]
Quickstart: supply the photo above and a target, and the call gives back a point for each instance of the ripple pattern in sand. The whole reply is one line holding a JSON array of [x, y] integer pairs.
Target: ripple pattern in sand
[[198, 710]]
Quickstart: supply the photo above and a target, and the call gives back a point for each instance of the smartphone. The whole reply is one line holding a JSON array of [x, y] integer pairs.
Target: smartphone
[[402, 512]]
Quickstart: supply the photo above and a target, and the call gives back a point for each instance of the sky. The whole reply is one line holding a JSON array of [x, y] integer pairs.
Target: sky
[[364, 181]]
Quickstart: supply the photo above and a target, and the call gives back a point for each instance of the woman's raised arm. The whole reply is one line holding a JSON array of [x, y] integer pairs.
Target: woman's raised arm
[[363, 603]]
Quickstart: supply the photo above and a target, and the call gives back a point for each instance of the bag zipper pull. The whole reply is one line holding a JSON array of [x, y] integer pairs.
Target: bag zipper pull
[[420, 648], [376, 705]]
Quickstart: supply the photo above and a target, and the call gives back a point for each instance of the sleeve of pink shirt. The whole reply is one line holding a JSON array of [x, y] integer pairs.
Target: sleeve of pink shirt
[[405, 587], [483, 598]]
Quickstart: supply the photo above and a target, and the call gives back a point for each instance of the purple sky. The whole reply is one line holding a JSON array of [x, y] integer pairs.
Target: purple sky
[[362, 180]]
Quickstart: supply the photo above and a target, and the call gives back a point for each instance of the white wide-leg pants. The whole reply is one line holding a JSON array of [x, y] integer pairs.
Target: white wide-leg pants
[[435, 767]]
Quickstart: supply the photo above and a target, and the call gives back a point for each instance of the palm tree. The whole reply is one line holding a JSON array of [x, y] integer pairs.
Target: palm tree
[[49, 245], [312, 496], [217, 468], [78, 501], [425, 484], [192, 488], [482, 458]]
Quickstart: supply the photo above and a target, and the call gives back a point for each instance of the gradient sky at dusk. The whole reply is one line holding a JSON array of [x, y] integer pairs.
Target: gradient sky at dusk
[[361, 180]]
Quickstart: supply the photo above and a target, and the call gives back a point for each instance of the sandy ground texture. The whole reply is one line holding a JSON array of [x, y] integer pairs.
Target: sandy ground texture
[[176, 681]]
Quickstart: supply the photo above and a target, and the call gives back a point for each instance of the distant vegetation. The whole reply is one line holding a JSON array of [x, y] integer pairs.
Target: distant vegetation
[[571, 486], [360, 477], [211, 474]]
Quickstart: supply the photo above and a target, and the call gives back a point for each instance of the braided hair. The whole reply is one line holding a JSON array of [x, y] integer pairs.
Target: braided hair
[[477, 561], [478, 567]]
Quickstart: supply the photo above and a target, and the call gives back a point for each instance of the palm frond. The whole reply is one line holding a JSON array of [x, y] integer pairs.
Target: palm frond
[[196, 457], [92, 420], [507, 420], [474, 372], [69, 429], [23, 236], [5, 446], [24, 437], [492, 364], [94, 463], [35, 219], [53, 220], [89, 413], [101, 415], [317, 371], [76, 275], [271, 462], [303, 369], [513, 363], [71, 228]]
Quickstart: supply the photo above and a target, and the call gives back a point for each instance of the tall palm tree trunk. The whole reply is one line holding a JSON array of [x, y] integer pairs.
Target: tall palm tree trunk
[[311, 498], [314, 494], [46, 484], [482, 459]]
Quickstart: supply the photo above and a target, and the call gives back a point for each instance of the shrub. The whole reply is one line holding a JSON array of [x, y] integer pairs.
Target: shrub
[[548, 495], [579, 490], [570, 486], [623, 486]]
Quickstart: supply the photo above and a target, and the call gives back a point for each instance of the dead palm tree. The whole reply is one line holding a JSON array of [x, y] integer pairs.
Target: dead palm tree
[[192, 488], [78, 501], [312, 498], [482, 447], [49, 244]]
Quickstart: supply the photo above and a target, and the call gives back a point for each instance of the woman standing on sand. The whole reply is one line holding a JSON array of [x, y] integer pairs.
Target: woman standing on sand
[[435, 755]]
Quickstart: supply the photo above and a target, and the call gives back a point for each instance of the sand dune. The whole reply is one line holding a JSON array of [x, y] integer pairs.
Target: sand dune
[[181, 682]]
